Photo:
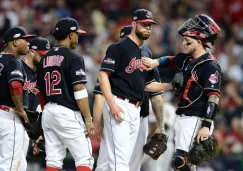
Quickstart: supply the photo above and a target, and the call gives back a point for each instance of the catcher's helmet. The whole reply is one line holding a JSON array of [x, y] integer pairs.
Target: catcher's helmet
[[200, 27]]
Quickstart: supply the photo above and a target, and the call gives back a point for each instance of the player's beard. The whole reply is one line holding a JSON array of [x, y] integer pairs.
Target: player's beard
[[36, 62], [191, 51], [141, 35]]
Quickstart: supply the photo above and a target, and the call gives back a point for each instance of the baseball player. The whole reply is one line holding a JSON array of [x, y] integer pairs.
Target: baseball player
[[156, 100], [122, 83], [12, 99], [198, 85], [38, 47], [61, 78]]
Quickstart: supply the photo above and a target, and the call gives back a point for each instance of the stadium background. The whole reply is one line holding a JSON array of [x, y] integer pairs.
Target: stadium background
[[102, 19]]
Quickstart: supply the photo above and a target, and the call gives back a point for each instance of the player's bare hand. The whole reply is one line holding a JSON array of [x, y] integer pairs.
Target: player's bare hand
[[202, 134], [36, 150], [98, 133], [22, 113], [150, 63], [117, 112], [90, 128]]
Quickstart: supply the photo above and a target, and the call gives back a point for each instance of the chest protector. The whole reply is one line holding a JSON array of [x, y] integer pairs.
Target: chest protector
[[191, 94]]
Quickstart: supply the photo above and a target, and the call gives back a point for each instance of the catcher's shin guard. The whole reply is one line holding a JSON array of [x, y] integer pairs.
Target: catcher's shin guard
[[179, 161]]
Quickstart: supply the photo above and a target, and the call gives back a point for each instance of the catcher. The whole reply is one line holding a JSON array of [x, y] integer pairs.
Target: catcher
[[197, 85]]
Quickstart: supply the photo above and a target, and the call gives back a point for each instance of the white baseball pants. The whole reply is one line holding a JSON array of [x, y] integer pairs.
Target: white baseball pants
[[120, 138], [11, 141], [186, 128], [64, 128]]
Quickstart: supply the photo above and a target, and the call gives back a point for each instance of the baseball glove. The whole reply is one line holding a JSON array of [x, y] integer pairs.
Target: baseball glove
[[177, 83], [203, 152], [156, 146], [33, 128], [37, 149]]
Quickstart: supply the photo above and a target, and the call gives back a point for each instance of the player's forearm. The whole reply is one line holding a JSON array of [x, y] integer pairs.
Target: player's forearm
[[81, 97], [156, 87], [157, 107], [98, 108], [210, 111], [83, 105], [18, 102], [106, 87]]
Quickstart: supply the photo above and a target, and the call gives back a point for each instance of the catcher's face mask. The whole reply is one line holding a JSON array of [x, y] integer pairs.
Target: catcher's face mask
[[200, 27]]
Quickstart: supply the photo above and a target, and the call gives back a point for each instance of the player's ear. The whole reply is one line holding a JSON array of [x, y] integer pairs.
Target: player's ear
[[32, 52], [70, 36], [15, 43], [134, 24], [200, 43]]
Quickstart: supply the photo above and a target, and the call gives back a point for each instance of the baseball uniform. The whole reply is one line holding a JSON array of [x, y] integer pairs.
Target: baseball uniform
[[11, 126], [62, 121], [127, 84], [41, 46], [201, 81]]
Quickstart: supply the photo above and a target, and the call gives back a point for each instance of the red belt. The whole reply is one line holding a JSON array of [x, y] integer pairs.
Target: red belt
[[136, 103], [5, 108]]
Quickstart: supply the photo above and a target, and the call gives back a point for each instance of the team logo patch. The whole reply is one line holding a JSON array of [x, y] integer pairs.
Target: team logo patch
[[31, 87], [134, 64], [149, 15], [34, 47], [73, 28], [48, 46], [17, 35], [122, 33], [135, 18], [56, 48], [109, 61], [80, 72], [214, 78], [16, 72]]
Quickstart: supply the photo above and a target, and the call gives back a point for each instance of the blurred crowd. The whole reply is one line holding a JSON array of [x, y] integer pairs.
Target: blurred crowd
[[103, 19]]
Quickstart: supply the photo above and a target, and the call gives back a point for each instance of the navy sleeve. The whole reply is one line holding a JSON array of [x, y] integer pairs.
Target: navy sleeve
[[166, 61], [157, 79], [15, 71], [212, 78], [97, 89], [77, 71], [149, 75], [149, 78], [111, 58]]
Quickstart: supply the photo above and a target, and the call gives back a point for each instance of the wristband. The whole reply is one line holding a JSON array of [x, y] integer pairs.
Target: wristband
[[80, 94], [88, 119], [207, 124]]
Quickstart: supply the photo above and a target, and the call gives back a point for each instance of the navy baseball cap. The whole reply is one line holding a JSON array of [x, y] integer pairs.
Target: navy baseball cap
[[125, 31], [67, 25], [41, 45], [15, 33], [143, 16]]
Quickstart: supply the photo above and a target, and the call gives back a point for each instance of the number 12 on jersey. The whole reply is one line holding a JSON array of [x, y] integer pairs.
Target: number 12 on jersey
[[52, 79]]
